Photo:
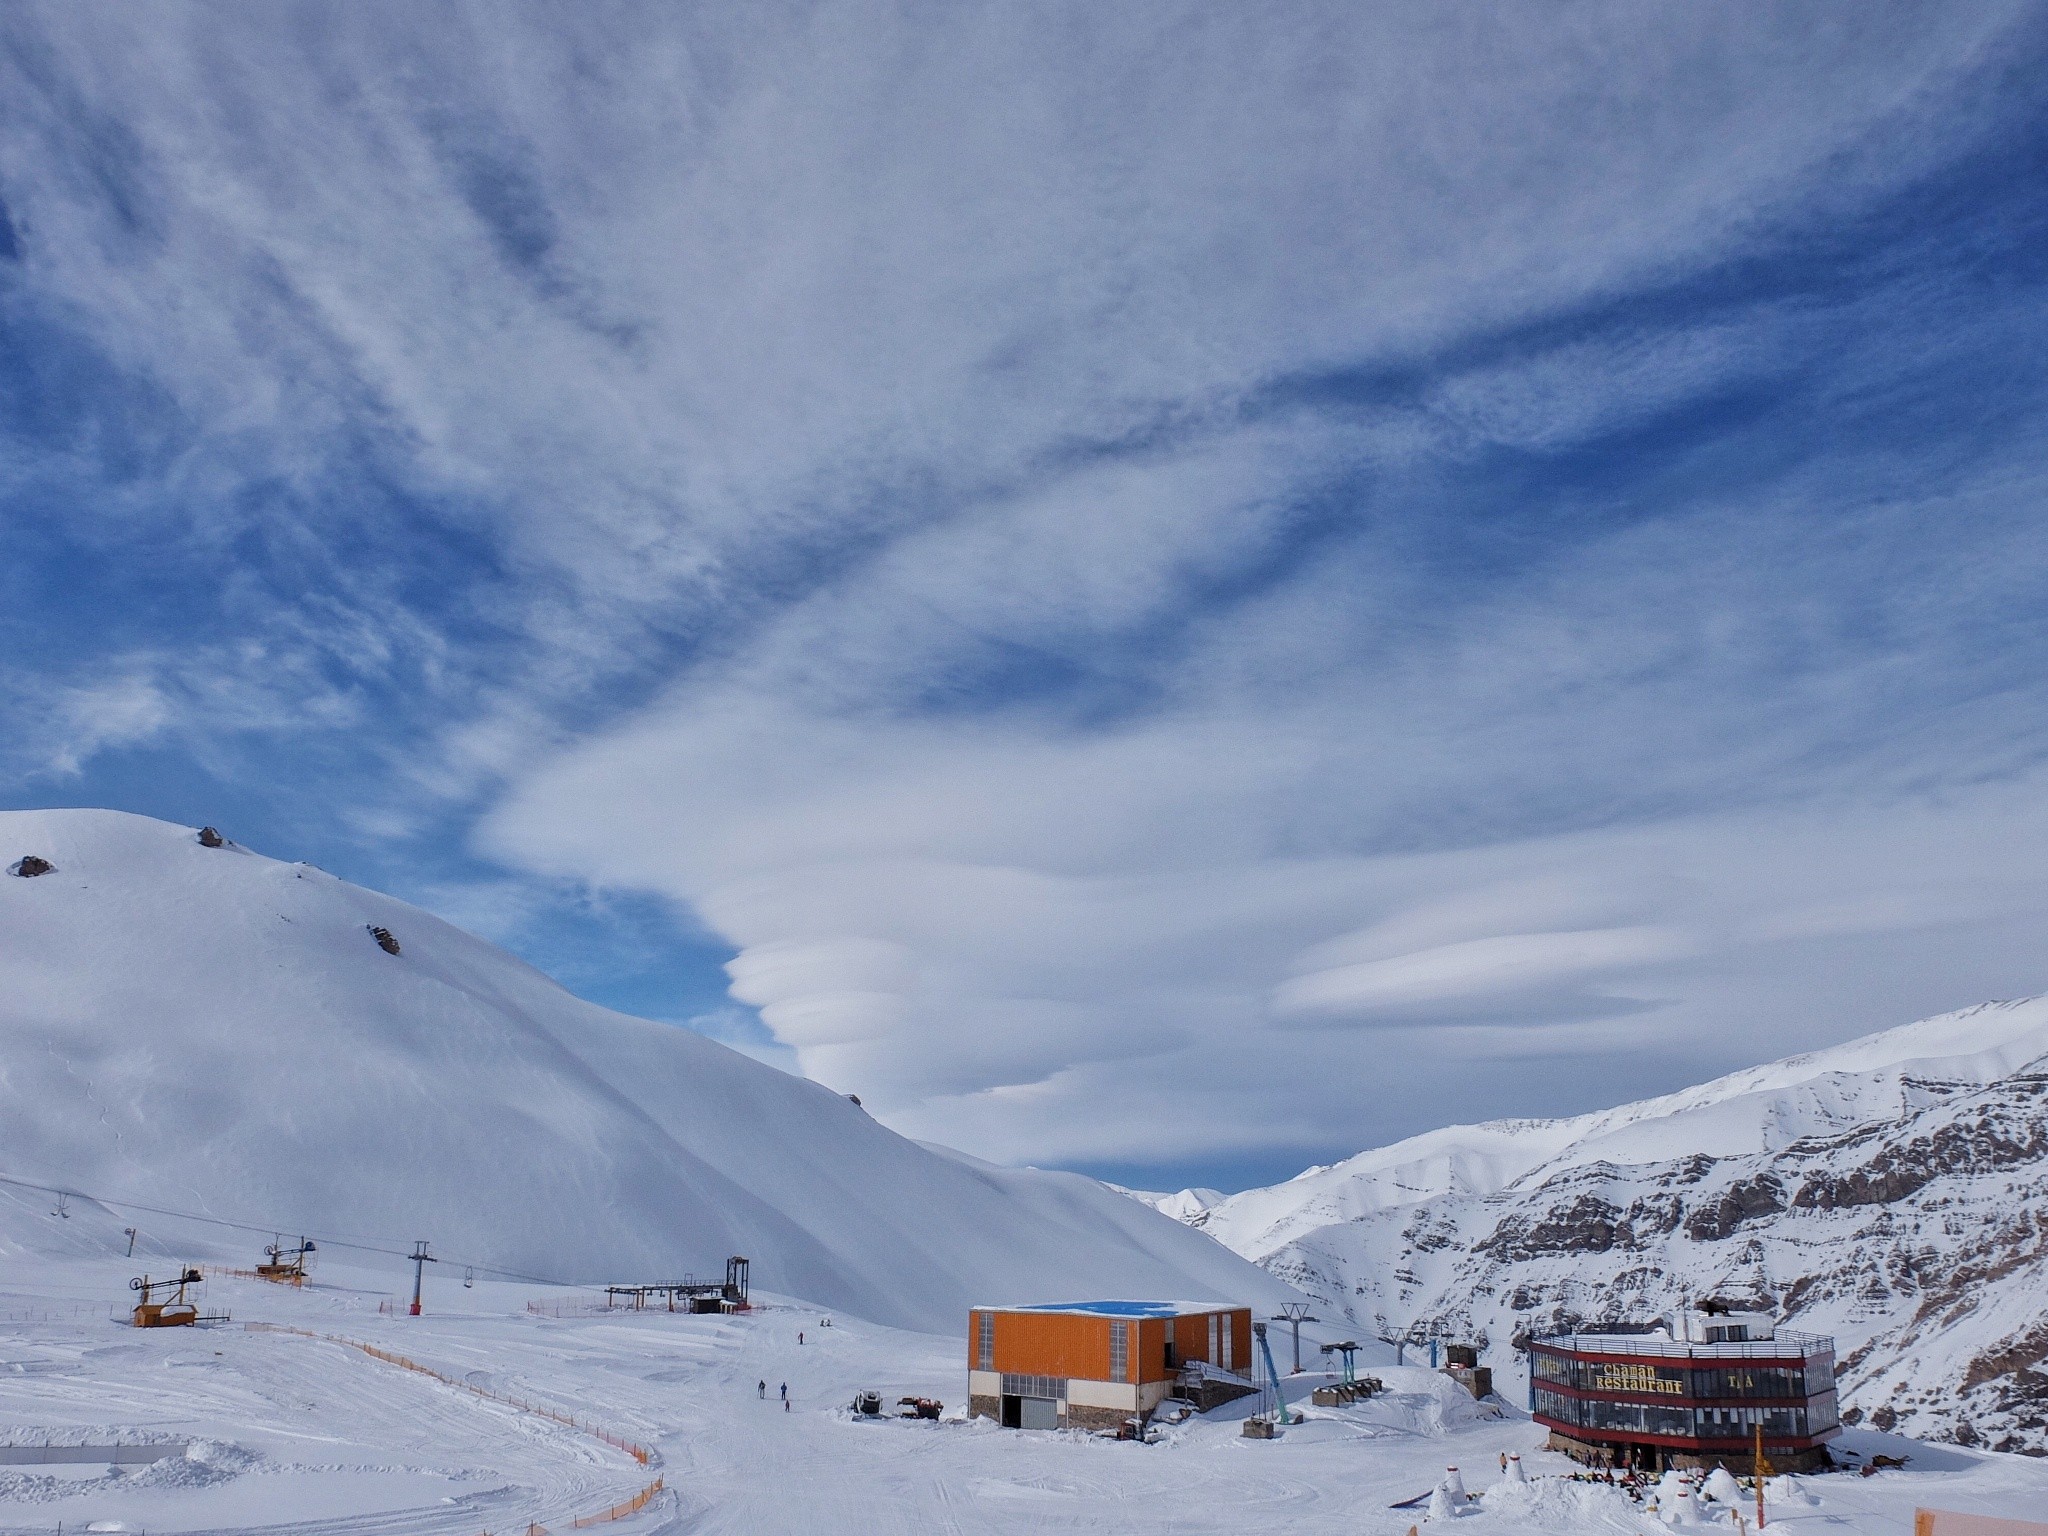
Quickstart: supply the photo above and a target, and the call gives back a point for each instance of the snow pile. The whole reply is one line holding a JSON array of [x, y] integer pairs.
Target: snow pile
[[1880, 1192], [204, 1464], [209, 1030], [1722, 1488]]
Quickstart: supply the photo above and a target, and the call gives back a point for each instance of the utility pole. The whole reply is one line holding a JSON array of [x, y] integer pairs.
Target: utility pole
[[1759, 1473], [1296, 1312], [420, 1260]]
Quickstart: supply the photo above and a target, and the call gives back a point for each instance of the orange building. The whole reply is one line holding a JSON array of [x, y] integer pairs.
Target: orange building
[[1095, 1364]]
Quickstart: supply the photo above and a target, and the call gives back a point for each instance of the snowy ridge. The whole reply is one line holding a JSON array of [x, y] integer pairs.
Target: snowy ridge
[[209, 1030], [1884, 1191]]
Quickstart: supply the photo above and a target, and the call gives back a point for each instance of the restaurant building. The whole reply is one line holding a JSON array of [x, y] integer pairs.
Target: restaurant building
[[1691, 1393]]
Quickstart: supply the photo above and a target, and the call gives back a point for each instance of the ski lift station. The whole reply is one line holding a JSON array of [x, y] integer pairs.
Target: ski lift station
[[1097, 1364], [1711, 1386]]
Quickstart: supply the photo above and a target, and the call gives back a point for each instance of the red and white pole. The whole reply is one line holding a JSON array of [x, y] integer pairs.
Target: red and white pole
[[420, 1260]]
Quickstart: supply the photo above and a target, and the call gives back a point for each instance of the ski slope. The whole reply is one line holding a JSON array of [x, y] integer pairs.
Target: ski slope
[[292, 1434], [209, 1030]]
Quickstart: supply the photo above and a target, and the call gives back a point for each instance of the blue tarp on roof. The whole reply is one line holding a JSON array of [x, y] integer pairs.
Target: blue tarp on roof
[[1122, 1308]]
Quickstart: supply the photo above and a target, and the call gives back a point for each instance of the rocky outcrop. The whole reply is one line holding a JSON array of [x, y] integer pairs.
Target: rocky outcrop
[[1901, 1207]]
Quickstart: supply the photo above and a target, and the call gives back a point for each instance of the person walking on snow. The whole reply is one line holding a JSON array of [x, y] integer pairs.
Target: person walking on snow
[[785, 1405], [785, 1391], [799, 1335], [761, 1389]]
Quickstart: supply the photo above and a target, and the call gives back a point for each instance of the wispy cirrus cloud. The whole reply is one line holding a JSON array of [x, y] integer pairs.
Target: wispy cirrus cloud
[[1033, 525]]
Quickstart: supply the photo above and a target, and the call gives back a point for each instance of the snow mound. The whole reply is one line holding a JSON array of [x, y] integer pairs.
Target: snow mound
[[206, 1029]]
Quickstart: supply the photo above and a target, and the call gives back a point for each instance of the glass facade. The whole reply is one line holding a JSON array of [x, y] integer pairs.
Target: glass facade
[[1675, 1394], [1119, 1351], [1686, 1380]]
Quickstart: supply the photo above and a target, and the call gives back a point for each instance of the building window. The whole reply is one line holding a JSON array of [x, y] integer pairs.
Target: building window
[[1229, 1332], [1215, 1348], [1015, 1385], [1119, 1352], [984, 1341]]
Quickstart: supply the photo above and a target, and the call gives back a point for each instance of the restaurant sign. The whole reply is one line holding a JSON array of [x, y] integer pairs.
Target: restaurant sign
[[1618, 1377]]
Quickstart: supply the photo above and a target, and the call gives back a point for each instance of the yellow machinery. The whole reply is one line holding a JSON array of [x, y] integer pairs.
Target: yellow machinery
[[175, 1313], [287, 1266]]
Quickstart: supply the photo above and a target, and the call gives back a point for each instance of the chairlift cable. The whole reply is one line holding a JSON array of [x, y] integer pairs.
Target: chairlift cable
[[363, 1245]]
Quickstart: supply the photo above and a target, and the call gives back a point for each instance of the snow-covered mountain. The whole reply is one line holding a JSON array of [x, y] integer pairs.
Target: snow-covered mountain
[[205, 1029], [1892, 1192]]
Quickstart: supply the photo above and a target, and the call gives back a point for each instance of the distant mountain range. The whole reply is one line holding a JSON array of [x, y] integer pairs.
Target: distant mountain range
[[1892, 1192]]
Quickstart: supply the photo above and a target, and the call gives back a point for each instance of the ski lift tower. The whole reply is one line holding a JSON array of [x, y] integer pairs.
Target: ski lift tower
[[420, 1260], [1264, 1351], [287, 1266], [1296, 1313], [175, 1313], [1349, 1350]]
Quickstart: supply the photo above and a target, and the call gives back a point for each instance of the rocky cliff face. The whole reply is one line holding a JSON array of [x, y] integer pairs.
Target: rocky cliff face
[[1892, 1192]]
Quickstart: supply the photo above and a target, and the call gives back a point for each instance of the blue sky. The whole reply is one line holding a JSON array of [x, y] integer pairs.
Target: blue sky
[[1176, 592]]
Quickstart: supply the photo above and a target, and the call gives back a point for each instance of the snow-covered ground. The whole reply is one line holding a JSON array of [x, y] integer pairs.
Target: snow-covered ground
[[287, 1432]]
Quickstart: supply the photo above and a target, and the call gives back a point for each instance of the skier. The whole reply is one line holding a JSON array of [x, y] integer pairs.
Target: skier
[[799, 1335], [761, 1390], [785, 1405], [785, 1394]]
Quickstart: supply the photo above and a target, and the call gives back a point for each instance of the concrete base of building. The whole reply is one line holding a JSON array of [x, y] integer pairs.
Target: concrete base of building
[[1605, 1453], [1210, 1393], [1076, 1416], [1079, 1417]]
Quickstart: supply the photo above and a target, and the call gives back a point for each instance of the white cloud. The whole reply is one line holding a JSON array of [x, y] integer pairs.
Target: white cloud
[[843, 359], [1498, 971], [663, 301], [89, 718]]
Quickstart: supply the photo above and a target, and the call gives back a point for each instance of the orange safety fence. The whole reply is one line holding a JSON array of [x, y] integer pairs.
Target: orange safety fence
[[632, 1506], [639, 1453]]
